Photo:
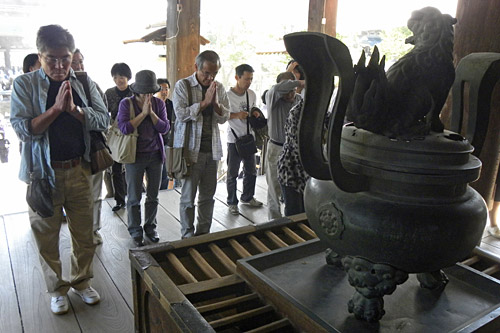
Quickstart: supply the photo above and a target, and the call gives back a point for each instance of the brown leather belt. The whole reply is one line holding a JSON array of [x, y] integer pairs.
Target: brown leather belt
[[66, 164]]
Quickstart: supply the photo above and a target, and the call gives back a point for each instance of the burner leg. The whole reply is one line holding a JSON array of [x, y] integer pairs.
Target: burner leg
[[371, 281]]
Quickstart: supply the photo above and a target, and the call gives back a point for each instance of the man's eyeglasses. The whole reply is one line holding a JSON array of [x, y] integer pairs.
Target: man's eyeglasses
[[208, 74], [53, 60]]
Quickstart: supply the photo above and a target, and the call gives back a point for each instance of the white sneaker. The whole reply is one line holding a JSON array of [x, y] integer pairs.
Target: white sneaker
[[233, 209], [97, 238], [253, 202], [88, 295], [494, 231], [59, 305]]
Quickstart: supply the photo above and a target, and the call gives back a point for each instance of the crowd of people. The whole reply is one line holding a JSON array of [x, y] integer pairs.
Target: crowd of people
[[55, 106], [53, 114]]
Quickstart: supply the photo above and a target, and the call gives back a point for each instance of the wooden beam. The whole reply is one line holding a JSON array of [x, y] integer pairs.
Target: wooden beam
[[316, 9], [319, 10], [183, 36], [477, 31], [330, 26]]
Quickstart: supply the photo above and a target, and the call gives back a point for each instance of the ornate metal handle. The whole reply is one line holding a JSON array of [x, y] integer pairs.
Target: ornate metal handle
[[322, 58], [482, 72]]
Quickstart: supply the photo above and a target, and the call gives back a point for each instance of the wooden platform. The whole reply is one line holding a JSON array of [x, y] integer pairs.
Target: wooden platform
[[24, 303]]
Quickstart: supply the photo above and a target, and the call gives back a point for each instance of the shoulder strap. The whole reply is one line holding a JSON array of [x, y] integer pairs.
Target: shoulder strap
[[82, 77], [248, 110], [132, 112], [31, 157], [131, 107], [188, 88], [187, 132], [234, 133]]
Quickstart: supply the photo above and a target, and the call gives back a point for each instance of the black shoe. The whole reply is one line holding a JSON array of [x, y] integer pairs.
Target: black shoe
[[118, 207], [138, 241], [153, 236]]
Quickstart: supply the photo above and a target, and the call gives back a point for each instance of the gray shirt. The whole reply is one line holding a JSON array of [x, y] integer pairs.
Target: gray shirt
[[278, 108]]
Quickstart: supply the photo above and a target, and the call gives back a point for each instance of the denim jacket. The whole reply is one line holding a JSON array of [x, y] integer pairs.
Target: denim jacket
[[28, 100]]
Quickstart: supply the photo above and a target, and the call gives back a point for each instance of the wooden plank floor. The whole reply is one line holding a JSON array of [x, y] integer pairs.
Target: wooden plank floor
[[24, 303]]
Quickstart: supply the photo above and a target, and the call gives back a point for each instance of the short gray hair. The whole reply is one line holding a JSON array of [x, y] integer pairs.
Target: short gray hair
[[209, 56]]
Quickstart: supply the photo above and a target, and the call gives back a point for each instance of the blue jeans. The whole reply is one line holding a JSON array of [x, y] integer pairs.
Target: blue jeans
[[294, 200], [249, 175], [150, 163], [164, 177], [202, 178]]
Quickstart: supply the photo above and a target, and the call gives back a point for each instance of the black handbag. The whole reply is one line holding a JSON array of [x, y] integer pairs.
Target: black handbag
[[259, 126], [39, 193], [257, 122], [245, 145]]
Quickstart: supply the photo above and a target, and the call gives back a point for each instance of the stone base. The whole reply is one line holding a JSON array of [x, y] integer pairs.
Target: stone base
[[315, 296]]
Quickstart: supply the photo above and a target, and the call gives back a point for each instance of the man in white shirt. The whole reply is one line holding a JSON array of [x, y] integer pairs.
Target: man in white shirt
[[242, 100]]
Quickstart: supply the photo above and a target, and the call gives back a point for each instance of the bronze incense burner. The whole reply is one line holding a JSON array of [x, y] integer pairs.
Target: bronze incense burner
[[389, 191]]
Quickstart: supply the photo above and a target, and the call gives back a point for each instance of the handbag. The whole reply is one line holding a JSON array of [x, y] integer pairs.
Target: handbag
[[178, 164], [100, 154], [259, 126], [39, 193], [178, 158], [245, 145], [257, 122], [123, 147]]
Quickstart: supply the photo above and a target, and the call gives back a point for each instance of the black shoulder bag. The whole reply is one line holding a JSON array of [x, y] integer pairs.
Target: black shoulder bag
[[245, 145], [100, 154], [39, 193]]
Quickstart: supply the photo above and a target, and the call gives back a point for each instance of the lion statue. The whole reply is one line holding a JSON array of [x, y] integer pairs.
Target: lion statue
[[407, 100]]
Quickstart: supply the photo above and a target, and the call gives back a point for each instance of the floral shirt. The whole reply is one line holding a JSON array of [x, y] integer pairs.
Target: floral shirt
[[290, 170]]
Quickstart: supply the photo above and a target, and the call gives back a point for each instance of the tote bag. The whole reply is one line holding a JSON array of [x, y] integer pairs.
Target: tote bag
[[123, 147]]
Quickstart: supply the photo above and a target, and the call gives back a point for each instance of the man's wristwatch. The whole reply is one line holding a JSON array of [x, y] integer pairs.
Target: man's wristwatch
[[79, 109]]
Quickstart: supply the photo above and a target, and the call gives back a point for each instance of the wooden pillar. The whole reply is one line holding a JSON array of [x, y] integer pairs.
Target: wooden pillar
[[319, 9], [477, 30], [331, 17], [183, 38]]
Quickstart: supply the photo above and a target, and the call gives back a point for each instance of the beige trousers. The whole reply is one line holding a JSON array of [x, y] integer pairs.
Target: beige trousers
[[273, 185], [73, 192]]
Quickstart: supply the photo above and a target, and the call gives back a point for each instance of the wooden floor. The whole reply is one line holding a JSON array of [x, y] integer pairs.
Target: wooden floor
[[24, 303]]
